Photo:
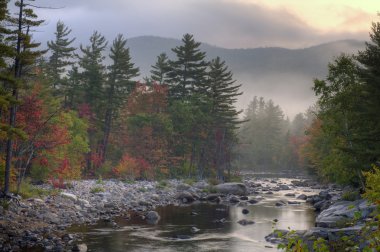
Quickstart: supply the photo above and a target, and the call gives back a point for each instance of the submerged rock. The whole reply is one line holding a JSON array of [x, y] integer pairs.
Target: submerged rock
[[245, 222], [194, 230]]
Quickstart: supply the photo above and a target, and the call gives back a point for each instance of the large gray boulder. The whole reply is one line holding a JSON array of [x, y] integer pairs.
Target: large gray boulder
[[185, 197], [232, 188], [342, 211]]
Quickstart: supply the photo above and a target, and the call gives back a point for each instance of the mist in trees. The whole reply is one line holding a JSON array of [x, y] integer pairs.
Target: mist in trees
[[269, 141]]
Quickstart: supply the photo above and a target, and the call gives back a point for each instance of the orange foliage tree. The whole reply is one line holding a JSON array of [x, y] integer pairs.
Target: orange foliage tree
[[145, 131]]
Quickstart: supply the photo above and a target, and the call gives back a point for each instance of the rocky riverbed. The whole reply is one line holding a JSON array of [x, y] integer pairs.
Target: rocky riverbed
[[43, 222]]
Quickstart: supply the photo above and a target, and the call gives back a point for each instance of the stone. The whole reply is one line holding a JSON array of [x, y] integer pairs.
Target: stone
[[343, 211], [322, 205], [280, 203], [293, 203], [245, 222], [84, 203], [243, 198], [245, 211], [80, 248], [185, 197], [152, 215], [70, 196], [182, 237], [253, 201], [284, 187], [290, 195], [302, 197], [232, 188], [201, 185], [183, 187], [325, 195], [214, 197], [234, 199]]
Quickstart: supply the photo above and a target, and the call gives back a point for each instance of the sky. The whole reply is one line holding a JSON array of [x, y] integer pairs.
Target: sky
[[224, 23]]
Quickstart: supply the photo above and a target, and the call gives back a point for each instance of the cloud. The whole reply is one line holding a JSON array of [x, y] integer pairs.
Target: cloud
[[231, 24]]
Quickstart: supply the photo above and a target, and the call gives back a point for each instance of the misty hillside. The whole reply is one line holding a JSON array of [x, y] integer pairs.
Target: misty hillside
[[284, 75]]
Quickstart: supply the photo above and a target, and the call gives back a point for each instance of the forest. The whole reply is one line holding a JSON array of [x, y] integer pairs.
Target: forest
[[71, 113]]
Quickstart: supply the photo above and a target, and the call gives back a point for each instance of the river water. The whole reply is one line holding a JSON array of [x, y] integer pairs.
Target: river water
[[217, 224]]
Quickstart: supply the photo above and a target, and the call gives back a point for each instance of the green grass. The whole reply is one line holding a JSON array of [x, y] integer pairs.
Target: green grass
[[97, 189], [27, 191]]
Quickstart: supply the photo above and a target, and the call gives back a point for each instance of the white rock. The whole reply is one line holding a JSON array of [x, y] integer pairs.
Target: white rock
[[69, 196]]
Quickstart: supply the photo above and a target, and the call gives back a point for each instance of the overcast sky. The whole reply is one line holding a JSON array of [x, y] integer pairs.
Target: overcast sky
[[225, 23]]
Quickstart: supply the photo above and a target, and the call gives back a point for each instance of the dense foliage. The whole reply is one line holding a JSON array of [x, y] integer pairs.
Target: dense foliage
[[343, 141]]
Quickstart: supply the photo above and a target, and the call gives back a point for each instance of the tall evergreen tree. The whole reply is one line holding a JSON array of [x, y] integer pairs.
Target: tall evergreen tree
[[222, 95], [61, 55], [161, 69], [188, 70], [93, 80], [369, 60], [119, 84], [93, 74]]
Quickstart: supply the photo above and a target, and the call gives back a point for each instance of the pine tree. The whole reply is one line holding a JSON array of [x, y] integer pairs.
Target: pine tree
[[369, 107], [161, 69], [222, 94], [93, 74], [93, 79], [188, 71], [119, 84], [61, 55]]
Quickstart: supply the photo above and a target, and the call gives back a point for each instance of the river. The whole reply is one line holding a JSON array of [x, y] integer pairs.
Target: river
[[217, 224]]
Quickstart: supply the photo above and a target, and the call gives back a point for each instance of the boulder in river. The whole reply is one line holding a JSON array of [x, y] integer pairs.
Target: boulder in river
[[343, 211], [232, 188], [280, 203], [214, 197], [302, 197], [152, 217], [185, 197], [234, 199], [253, 201], [80, 248], [245, 222]]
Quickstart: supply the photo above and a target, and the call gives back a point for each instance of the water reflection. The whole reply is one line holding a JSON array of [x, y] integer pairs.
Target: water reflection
[[219, 230]]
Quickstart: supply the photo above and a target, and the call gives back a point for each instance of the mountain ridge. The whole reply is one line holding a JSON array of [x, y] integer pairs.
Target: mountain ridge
[[282, 74]]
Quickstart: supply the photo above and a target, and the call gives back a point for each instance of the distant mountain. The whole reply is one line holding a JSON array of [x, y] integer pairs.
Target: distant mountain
[[284, 75]]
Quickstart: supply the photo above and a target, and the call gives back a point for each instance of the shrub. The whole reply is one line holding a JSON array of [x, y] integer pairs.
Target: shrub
[[27, 190]]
